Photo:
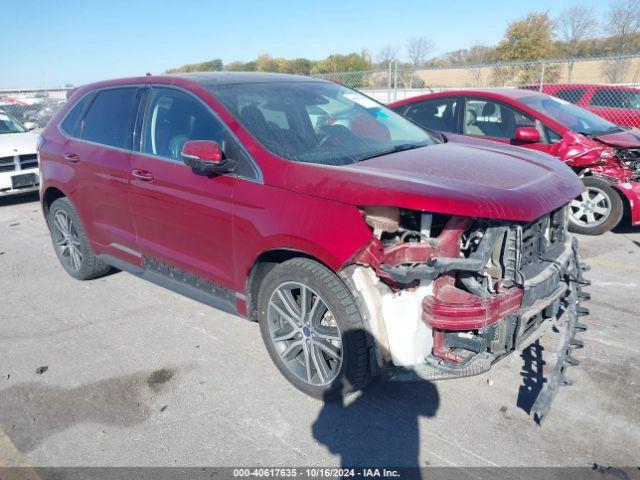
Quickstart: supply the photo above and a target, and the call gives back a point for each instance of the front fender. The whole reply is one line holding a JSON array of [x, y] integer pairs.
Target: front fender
[[631, 191]]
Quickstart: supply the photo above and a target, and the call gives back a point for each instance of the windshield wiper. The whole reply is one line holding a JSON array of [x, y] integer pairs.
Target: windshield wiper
[[396, 148]]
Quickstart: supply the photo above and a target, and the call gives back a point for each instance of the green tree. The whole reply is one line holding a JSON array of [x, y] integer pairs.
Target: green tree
[[352, 62], [214, 65], [266, 63], [234, 66], [528, 39], [298, 66]]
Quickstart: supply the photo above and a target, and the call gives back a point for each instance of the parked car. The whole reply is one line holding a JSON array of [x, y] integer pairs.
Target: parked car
[[616, 103], [18, 158], [41, 112], [605, 156], [354, 238]]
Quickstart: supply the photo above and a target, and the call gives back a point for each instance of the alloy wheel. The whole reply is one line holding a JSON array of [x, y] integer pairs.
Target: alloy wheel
[[305, 333], [66, 240], [591, 208]]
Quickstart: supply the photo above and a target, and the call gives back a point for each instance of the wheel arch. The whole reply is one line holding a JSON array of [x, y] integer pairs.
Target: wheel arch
[[262, 265], [50, 195], [628, 213]]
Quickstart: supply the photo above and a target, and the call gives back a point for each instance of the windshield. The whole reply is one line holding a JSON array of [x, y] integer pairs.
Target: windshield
[[319, 122], [9, 124], [570, 115]]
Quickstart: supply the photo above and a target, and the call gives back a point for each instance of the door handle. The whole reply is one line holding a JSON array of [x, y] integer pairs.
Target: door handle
[[71, 157], [142, 175]]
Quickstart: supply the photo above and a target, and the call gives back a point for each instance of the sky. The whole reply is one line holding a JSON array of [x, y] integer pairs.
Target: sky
[[51, 43]]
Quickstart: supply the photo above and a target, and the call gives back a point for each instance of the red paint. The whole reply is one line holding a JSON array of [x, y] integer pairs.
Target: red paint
[[218, 226], [447, 244], [579, 152], [202, 150]]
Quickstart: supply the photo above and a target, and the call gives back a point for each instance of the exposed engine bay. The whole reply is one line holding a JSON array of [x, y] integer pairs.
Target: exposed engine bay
[[448, 296]]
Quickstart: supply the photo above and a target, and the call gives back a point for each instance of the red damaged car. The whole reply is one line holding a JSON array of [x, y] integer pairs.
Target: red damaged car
[[604, 155], [358, 241]]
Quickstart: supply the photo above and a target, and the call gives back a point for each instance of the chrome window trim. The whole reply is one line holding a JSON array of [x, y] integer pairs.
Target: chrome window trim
[[259, 177]]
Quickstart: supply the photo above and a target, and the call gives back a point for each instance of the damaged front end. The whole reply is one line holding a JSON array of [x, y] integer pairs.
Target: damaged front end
[[448, 296]]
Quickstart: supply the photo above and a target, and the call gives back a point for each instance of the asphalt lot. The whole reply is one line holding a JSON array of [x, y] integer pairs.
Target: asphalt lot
[[140, 376]]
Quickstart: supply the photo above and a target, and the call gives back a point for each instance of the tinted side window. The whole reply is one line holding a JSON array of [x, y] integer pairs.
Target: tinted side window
[[572, 95], [437, 114], [110, 118], [608, 97], [173, 117], [72, 122]]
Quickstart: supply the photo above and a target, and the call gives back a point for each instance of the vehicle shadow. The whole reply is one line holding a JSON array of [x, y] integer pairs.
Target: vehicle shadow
[[19, 198], [532, 374], [379, 427]]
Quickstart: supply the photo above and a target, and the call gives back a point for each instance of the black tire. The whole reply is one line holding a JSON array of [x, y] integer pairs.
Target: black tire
[[88, 266], [354, 371], [578, 219]]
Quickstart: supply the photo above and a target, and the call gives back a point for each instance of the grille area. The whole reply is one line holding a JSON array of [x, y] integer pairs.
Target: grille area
[[7, 164], [28, 161], [528, 245]]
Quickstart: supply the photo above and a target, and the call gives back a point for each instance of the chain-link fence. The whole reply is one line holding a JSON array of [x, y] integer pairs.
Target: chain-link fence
[[35, 106], [608, 86]]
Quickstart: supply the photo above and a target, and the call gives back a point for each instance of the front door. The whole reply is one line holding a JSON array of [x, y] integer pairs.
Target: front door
[[183, 220], [497, 121]]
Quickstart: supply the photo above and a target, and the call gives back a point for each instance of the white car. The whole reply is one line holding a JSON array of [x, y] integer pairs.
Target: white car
[[18, 157]]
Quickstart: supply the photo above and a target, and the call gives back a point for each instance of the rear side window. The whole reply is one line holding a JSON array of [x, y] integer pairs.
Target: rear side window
[[72, 122], [437, 114], [609, 97], [110, 118], [572, 95]]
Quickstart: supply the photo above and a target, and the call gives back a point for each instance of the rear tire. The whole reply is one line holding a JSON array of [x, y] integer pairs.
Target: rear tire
[[597, 210], [71, 243], [322, 349]]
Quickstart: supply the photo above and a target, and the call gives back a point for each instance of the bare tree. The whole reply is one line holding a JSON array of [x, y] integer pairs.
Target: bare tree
[[575, 25], [476, 56], [388, 54], [418, 49], [624, 23]]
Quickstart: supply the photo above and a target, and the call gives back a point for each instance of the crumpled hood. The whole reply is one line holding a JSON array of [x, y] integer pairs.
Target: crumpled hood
[[465, 176], [12, 144], [627, 139]]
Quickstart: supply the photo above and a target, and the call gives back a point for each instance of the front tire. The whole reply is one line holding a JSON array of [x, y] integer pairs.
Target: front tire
[[71, 243], [313, 330], [597, 210]]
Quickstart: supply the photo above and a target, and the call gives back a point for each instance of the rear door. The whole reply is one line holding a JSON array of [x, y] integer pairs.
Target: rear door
[[99, 137], [439, 114], [183, 219]]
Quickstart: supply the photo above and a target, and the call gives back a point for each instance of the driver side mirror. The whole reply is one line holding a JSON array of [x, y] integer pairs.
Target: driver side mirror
[[205, 156], [527, 135], [29, 125]]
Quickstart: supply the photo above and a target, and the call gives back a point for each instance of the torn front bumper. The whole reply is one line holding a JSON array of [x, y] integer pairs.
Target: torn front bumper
[[513, 318]]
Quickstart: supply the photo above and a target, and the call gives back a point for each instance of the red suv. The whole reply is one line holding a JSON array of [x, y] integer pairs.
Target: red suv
[[604, 155], [358, 241], [616, 103]]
